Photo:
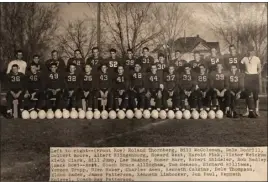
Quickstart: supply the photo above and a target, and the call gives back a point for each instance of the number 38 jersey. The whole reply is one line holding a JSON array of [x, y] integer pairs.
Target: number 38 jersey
[[219, 80], [16, 81], [236, 81], [72, 81]]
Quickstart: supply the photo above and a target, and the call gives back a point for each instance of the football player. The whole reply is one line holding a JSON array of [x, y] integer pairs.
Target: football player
[[213, 60], [154, 88], [95, 60], [232, 58], [121, 84], [146, 60], [77, 60], [55, 85], [196, 62], [236, 86], [188, 89], [161, 65], [113, 61], [35, 89], [202, 79], [71, 93], [88, 88], [56, 60], [171, 89], [219, 84], [105, 83], [129, 62], [38, 63], [178, 62], [16, 84], [137, 88], [22, 65]]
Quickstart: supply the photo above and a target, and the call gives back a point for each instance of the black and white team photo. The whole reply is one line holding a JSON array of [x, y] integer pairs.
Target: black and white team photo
[[129, 74]]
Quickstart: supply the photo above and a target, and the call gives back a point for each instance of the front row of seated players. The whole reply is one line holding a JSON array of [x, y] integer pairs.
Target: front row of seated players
[[134, 89]]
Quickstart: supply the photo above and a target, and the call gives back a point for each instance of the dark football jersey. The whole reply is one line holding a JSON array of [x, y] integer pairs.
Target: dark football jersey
[[104, 80], [236, 81], [161, 68], [229, 60], [55, 80], [60, 64], [211, 63], [72, 81], [16, 81], [95, 63], [112, 65], [153, 81], [40, 66], [129, 64], [79, 62], [202, 81], [146, 63], [219, 80], [137, 79], [179, 65], [34, 81], [195, 65], [86, 81], [170, 81], [187, 81], [121, 82]]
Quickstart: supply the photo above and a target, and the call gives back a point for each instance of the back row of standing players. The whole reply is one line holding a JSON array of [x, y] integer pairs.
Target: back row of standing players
[[134, 81]]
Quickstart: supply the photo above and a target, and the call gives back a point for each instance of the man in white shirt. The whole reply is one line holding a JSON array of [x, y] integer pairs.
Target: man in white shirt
[[22, 64], [252, 69]]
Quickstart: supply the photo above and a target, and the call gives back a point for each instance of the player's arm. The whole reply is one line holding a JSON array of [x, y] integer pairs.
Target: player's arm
[[194, 83], [241, 82], [211, 80], [226, 82]]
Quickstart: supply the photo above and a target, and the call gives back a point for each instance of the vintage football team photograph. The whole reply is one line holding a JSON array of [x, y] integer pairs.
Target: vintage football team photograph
[[128, 75]]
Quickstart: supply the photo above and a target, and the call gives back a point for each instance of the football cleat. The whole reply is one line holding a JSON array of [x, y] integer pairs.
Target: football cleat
[[252, 114], [9, 115], [235, 115], [229, 114], [245, 114]]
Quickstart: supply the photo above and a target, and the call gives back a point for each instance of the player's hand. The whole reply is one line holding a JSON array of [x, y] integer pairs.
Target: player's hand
[[17, 95], [161, 86], [33, 95], [86, 93], [148, 94], [71, 93], [238, 95], [222, 93], [171, 93], [159, 94], [204, 94], [232, 93], [13, 94], [142, 90], [26, 95], [121, 92]]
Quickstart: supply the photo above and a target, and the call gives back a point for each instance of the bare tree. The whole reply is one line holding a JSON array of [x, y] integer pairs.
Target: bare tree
[[129, 25], [242, 24], [27, 26], [79, 34], [172, 19]]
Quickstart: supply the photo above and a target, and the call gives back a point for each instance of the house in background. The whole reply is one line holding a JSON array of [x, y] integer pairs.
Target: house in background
[[187, 46]]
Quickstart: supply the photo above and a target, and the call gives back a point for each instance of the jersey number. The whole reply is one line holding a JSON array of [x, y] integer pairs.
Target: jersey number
[[214, 60], [15, 78], [178, 63], [129, 62], [120, 79], [234, 78], [33, 78], [71, 78], [104, 77], [145, 61], [54, 76], [219, 77], [202, 78], [113, 64], [187, 77], [88, 78], [94, 62], [161, 66], [137, 75], [233, 60], [153, 78], [170, 77]]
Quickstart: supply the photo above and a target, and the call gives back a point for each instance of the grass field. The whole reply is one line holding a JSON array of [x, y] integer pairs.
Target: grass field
[[25, 143]]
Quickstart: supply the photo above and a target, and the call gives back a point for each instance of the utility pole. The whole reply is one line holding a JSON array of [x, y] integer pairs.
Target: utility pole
[[99, 25]]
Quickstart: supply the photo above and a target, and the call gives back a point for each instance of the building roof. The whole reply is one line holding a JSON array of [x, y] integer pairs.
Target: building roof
[[188, 44]]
